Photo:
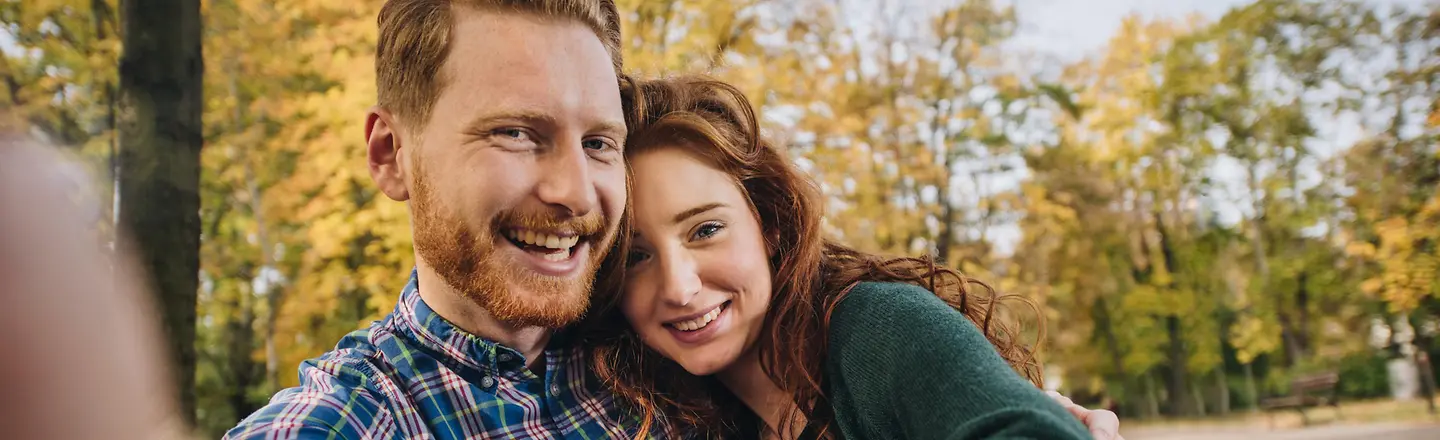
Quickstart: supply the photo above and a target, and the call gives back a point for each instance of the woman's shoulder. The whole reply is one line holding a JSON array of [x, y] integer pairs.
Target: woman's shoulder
[[887, 313], [879, 300]]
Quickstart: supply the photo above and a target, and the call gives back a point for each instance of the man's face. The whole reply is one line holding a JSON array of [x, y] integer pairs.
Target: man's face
[[518, 183]]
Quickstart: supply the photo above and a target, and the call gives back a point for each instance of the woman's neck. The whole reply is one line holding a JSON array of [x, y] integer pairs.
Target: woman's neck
[[749, 382]]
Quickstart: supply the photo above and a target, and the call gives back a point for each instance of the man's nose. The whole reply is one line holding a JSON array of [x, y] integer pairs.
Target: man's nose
[[565, 179]]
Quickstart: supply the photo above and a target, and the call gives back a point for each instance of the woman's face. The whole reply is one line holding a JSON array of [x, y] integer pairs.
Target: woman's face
[[698, 274]]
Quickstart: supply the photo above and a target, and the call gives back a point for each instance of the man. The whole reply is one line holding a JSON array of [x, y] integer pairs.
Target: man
[[500, 124]]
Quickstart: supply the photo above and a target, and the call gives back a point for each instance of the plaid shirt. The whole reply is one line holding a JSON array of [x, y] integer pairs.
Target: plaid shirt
[[414, 375]]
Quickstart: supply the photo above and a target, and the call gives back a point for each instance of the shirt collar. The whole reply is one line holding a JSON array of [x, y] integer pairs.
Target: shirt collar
[[416, 319]]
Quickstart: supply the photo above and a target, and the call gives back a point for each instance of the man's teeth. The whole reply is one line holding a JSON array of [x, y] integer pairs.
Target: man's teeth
[[698, 323], [545, 240]]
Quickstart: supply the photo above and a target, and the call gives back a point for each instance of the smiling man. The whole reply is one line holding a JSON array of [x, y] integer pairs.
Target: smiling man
[[499, 123]]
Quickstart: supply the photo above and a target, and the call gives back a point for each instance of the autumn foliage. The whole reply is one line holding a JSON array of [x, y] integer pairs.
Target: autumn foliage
[[1201, 209]]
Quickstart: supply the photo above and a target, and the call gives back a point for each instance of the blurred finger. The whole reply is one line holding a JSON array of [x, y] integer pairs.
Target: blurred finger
[[1064, 401], [1103, 424], [1076, 410]]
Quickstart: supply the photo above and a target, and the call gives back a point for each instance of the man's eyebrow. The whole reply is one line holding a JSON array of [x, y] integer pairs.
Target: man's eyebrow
[[695, 211], [529, 116], [614, 128]]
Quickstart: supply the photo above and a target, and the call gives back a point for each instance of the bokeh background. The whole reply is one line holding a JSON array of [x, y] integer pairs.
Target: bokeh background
[[1205, 199]]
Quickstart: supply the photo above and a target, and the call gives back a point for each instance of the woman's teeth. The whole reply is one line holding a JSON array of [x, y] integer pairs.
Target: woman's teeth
[[559, 246], [698, 323]]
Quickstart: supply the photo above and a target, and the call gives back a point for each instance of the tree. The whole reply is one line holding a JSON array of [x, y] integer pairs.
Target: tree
[[160, 138]]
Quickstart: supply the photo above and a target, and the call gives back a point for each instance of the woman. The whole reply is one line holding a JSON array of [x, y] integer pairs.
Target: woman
[[735, 318]]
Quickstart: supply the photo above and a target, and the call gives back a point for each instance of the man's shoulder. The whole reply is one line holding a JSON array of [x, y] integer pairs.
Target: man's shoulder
[[337, 398]]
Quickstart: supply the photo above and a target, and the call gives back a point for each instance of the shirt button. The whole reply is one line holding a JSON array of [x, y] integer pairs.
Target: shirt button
[[487, 382], [506, 357], [555, 390]]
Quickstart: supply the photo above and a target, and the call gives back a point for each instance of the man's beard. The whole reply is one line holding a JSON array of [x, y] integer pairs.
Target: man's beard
[[471, 262]]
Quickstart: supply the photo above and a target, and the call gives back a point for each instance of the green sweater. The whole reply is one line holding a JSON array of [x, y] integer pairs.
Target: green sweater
[[905, 365]]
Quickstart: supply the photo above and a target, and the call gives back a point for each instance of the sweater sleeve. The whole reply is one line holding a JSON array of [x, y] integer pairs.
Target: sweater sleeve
[[904, 364]]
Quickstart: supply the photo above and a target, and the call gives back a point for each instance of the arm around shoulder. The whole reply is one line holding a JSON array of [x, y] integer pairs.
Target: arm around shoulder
[[905, 364]]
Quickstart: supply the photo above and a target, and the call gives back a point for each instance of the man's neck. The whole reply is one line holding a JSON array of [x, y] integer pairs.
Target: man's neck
[[452, 305], [749, 382]]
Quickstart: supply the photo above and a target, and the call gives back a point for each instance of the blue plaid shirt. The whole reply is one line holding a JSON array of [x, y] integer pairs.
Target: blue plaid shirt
[[414, 375]]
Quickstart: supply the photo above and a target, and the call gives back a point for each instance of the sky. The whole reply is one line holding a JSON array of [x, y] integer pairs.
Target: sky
[[1072, 29]]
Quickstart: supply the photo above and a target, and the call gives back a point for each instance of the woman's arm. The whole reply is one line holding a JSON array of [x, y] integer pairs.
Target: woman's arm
[[903, 364]]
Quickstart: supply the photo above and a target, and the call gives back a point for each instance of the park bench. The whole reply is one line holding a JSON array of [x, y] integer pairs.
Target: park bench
[[1307, 392]]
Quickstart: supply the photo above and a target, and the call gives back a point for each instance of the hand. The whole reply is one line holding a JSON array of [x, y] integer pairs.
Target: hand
[[79, 306], [1103, 424]]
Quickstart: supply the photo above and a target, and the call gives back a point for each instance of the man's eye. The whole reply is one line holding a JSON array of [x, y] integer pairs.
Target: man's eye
[[513, 134], [597, 144]]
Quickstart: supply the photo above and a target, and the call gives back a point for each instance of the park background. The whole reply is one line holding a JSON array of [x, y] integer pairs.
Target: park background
[[1205, 200]]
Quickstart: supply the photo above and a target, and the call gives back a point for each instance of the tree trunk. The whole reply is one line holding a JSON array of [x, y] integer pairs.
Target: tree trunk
[[1152, 404], [1222, 389], [1199, 398], [1422, 360], [1287, 333], [1250, 388], [1101, 315], [1179, 402], [241, 367], [160, 137], [1302, 314], [946, 240]]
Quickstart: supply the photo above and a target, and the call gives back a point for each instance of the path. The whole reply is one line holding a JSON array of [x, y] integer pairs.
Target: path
[[1376, 431]]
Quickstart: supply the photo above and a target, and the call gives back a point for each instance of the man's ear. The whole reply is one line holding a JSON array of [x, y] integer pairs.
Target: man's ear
[[382, 149]]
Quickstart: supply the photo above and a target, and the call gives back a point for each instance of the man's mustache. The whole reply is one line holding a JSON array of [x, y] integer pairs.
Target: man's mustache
[[583, 226]]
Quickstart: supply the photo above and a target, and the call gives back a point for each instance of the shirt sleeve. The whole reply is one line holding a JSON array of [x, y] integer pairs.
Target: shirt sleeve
[[904, 363], [331, 403]]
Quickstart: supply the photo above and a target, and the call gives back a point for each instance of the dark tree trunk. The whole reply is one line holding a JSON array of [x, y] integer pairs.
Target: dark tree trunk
[[1179, 398], [160, 136], [1302, 313]]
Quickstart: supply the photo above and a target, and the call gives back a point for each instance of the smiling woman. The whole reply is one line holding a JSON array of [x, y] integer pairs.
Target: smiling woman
[[733, 317]]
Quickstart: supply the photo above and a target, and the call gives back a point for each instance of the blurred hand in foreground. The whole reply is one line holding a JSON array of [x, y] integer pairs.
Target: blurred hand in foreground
[[83, 357]]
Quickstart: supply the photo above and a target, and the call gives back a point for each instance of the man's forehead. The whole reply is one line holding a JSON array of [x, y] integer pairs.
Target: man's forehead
[[508, 61]]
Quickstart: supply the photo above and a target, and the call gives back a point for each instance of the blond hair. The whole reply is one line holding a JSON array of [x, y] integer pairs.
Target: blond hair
[[415, 41]]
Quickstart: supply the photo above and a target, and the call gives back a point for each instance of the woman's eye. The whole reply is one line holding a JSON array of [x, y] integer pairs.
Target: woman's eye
[[635, 257], [707, 230]]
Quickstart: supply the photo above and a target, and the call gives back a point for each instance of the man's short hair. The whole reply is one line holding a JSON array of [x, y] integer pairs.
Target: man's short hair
[[415, 41]]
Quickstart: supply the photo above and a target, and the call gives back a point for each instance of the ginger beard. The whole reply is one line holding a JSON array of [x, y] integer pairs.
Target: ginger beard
[[470, 261]]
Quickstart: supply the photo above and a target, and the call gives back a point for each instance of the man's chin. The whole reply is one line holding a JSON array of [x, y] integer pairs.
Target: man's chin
[[538, 303]]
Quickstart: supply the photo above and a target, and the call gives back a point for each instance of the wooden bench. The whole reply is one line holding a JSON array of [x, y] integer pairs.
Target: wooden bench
[[1308, 392]]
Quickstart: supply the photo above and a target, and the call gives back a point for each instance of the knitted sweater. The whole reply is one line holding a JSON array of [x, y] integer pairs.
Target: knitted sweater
[[903, 364]]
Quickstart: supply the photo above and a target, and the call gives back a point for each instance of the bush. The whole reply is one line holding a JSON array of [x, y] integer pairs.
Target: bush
[[1363, 375]]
